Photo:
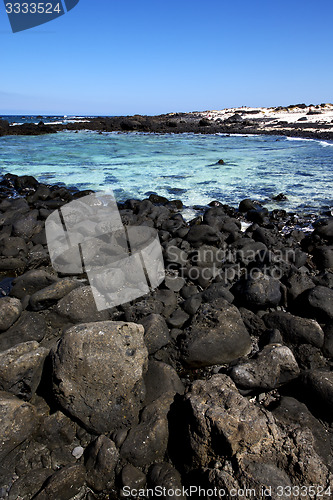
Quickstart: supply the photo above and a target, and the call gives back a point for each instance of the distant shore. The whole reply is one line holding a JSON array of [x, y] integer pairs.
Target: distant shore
[[300, 120]]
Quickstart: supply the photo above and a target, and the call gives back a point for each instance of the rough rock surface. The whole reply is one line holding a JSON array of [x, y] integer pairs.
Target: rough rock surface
[[98, 373], [217, 335]]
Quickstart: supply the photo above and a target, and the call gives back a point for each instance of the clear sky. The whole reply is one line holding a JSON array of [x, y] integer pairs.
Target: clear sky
[[114, 57]]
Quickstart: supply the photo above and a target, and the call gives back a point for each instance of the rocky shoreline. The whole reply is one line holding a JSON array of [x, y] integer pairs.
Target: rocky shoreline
[[219, 379], [315, 122]]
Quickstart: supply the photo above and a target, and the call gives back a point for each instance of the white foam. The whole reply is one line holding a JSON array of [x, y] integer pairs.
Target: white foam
[[299, 139], [325, 144]]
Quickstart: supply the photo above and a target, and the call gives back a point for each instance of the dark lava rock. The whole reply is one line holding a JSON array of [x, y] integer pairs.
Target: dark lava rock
[[246, 205], [13, 247], [147, 442], [63, 484], [202, 234], [102, 458], [161, 379], [21, 369], [98, 373], [294, 329], [30, 282], [216, 404], [156, 332], [324, 229], [258, 215], [258, 291], [57, 431], [323, 257], [18, 422], [217, 335], [318, 302], [253, 323], [320, 382], [166, 478], [50, 295], [10, 311], [293, 413], [28, 485], [132, 478], [79, 306], [178, 318], [272, 367], [30, 326], [296, 283], [280, 197]]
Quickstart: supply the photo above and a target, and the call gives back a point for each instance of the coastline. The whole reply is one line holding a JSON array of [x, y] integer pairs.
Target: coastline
[[237, 342], [313, 122]]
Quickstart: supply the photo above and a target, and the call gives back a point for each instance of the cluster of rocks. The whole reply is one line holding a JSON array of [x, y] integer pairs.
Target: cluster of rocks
[[220, 378], [240, 122]]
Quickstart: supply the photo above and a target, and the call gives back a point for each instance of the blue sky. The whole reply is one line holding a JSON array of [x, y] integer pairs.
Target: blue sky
[[114, 57]]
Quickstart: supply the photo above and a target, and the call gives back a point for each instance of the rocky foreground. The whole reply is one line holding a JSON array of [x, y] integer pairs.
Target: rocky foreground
[[221, 378], [299, 120]]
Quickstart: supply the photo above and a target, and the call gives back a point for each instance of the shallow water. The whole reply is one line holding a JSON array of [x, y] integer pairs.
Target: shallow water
[[180, 166]]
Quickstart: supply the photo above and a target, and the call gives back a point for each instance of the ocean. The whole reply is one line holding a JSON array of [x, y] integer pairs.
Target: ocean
[[184, 166]]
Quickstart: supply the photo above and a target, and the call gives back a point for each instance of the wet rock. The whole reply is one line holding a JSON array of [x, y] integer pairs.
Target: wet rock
[[50, 295], [147, 442], [156, 332], [272, 367], [10, 311], [246, 205], [294, 329], [258, 291], [30, 326], [163, 475], [21, 369], [102, 458], [161, 379], [63, 484], [280, 197], [97, 374], [18, 422], [30, 282], [79, 306], [217, 335]]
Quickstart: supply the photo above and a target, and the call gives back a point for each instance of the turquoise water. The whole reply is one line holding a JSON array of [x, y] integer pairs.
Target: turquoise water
[[180, 166]]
